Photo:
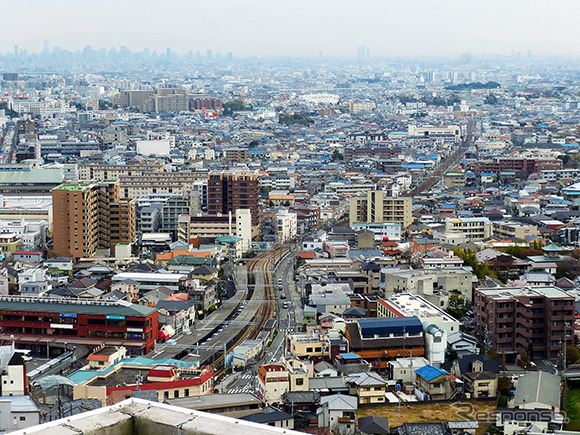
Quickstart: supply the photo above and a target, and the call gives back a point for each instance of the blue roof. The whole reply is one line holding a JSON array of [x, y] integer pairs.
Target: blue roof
[[429, 372], [389, 325], [447, 205], [228, 239], [82, 376], [349, 355]]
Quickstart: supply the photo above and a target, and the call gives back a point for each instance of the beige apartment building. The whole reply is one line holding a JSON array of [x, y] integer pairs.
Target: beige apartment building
[[190, 227], [514, 230], [309, 345], [137, 181], [276, 379], [377, 207], [114, 172], [90, 216], [474, 229]]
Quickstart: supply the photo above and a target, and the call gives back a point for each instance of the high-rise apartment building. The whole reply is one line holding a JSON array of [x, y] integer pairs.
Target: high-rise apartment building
[[230, 191], [90, 216], [538, 321], [377, 207]]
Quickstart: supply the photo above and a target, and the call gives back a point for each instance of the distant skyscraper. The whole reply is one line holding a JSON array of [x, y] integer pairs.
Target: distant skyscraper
[[368, 53], [198, 54], [229, 56], [209, 54], [15, 50], [320, 55], [168, 52], [45, 49]]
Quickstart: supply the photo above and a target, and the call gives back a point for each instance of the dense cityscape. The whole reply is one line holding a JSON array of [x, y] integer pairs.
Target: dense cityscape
[[200, 242]]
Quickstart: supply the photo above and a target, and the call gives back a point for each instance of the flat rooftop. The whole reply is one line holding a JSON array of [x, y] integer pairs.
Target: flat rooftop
[[507, 292], [137, 416]]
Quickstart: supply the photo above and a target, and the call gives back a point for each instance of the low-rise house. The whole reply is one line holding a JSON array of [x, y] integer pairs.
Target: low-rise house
[[334, 303], [313, 345], [180, 315], [422, 428], [512, 421], [324, 368], [33, 281], [18, 413], [272, 417], [338, 413], [462, 344], [369, 387], [373, 425], [435, 384], [302, 405], [234, 405], [480, 385], [106, 357], [348, 363], [328, 385], [204, 273], [538, 390], [402, 370], [27, 256], [59, 263]]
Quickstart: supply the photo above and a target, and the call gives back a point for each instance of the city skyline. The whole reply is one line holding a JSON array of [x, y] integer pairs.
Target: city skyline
[[254, 27]]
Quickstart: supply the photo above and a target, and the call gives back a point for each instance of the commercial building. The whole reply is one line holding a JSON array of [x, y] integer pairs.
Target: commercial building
[[29, 208], [25, 180], [450, 133], [230, 191], [517, 320], [381, 340], [407, 305], [377, 207], [90, 216], [164, 379], [38, 323]]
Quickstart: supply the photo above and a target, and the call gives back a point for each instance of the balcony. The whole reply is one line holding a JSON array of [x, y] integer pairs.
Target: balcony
[[346, 419]]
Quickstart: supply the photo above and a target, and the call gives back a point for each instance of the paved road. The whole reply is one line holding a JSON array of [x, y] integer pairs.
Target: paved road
[[288, 319]]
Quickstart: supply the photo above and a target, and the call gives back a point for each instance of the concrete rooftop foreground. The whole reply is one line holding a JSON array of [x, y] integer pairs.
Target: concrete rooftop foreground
[[138, 416]]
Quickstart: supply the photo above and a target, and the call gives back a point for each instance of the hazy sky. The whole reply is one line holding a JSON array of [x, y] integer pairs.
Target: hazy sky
[[297, 27]]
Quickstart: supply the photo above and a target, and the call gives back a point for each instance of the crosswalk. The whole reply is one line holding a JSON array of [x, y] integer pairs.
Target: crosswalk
[[245, 389]]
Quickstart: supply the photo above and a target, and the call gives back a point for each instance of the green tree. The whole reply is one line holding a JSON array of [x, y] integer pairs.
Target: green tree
[[9, 112], [490, 100], [235, 106], [336, 155], [572, 354]]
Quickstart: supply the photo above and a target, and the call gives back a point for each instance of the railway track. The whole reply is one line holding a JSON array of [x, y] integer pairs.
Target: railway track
[[241, 317]]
